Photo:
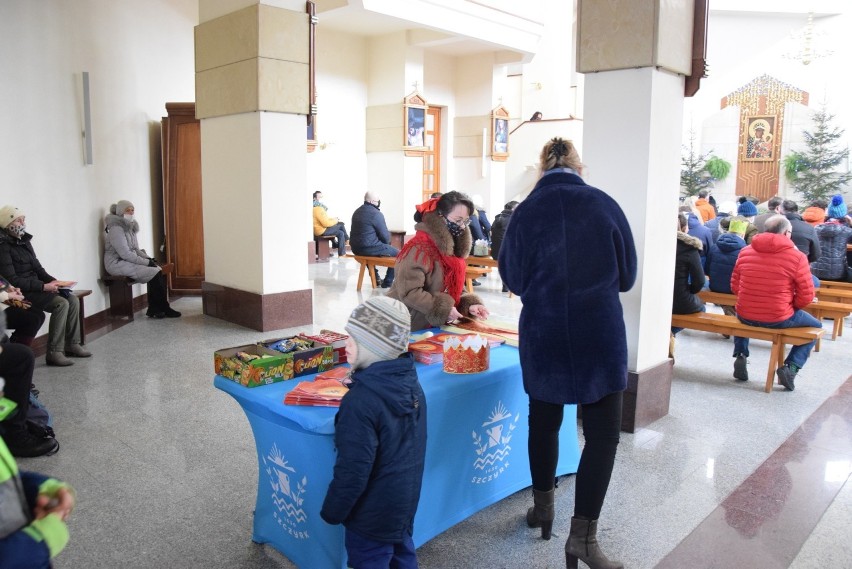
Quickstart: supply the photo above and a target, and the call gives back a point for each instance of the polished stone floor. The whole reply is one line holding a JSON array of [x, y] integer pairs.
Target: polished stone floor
[[165, 468]]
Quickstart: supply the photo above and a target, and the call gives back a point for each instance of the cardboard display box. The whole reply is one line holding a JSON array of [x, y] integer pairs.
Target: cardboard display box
[[276, 367]]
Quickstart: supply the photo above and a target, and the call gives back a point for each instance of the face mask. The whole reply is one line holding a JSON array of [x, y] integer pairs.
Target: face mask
[[128, 217], [18, 230], [455, 229]]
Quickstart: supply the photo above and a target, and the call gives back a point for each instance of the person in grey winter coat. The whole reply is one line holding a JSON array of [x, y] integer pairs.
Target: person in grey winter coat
[[123, 257]]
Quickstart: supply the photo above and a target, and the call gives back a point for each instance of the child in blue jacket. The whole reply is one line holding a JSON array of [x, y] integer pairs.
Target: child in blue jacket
[[33, 510], [380, 435]]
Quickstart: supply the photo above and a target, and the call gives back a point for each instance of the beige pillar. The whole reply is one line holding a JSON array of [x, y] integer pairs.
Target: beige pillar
[[636, 54], [252, 97]]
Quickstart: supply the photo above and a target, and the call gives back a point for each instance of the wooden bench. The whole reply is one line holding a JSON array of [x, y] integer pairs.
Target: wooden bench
[[474, 273], [731, 326], [484, 262], [369, 264], [322, 248], [120, 296], [830, 294], [819, 310], [81, 294], [835, 285]]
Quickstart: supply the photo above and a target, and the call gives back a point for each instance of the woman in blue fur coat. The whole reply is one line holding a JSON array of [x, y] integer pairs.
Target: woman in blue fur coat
[[573, 347]]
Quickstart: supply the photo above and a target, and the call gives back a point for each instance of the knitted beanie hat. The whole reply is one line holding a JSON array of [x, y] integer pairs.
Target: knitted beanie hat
[[119, 207], [381, 325], [8, 214], [746, 209], [837, 209]]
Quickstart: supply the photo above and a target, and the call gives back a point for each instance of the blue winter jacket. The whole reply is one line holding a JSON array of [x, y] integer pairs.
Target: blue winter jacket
[[380, 435], [721, 260], [568, 269], [368, 229], [697, 230]]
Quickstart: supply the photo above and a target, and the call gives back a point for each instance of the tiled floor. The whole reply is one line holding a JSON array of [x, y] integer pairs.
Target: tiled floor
[[165, 468]]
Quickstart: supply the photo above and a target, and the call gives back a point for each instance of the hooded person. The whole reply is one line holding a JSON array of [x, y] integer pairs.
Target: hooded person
[[123, 257], [20, 266], [380, 436]]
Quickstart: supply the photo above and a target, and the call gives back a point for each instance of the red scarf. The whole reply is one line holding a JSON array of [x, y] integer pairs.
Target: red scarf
[[427, 253]]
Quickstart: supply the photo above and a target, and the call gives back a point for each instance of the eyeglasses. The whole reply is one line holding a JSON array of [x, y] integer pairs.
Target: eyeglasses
[[464, 221]]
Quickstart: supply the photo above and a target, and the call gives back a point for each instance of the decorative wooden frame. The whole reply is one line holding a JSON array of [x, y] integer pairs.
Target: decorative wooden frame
[[759, 149], [500, 134], [414, 122]]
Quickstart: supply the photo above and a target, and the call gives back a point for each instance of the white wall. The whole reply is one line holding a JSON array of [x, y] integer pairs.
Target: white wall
[[338, 167], [139, 56], [733, 64]]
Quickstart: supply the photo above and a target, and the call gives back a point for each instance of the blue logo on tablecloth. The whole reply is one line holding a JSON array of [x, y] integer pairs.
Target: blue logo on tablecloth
[[287, 496], [492, 444]]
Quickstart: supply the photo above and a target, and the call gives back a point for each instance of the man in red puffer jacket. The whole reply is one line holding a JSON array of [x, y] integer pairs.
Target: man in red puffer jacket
[[772, 281]]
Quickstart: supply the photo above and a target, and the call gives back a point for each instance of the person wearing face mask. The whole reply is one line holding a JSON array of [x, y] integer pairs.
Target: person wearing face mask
[[123, 257], [370, 235], [430, 269], [20, 266]]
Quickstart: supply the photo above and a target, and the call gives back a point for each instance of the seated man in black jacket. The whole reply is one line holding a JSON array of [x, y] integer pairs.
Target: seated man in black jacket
[[19, 264], [370, 235]]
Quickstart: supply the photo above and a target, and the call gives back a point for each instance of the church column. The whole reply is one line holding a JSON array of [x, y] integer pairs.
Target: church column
[[635, 54], [252, 77]]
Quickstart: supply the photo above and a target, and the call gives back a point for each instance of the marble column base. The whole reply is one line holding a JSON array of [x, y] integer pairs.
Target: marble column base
[[262, 312], [647, 396]]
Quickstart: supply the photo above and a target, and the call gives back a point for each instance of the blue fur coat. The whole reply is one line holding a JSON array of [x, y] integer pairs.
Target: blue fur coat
[[567, 253]]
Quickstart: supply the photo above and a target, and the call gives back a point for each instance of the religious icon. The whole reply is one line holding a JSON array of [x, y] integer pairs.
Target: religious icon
[[760, 138]]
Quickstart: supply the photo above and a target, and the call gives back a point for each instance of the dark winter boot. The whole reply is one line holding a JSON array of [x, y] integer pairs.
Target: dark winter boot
[[583, 544], [542, 513]]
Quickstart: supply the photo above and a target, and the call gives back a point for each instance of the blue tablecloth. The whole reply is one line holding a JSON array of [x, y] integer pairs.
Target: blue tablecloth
[[476, 455]]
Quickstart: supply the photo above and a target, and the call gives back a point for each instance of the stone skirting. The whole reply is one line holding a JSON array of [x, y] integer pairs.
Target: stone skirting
[[258, 311], [647, 396]]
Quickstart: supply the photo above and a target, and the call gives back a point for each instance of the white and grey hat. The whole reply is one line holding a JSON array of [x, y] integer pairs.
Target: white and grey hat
[[381, 325]]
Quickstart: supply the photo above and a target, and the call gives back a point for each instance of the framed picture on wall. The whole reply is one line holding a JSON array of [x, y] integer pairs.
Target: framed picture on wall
[[759, 138], [414, 121], [499, 134]]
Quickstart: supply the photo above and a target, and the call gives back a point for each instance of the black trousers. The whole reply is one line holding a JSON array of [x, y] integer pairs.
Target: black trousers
[[25, 322], [601, 431], [16, 367], [157, 294]]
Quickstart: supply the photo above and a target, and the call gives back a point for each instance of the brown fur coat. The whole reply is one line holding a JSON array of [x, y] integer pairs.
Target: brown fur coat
[[420, 288]]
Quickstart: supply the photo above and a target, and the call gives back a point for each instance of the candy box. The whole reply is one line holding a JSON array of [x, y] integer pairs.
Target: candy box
[[335, 339], [253, 365], [308, 358]]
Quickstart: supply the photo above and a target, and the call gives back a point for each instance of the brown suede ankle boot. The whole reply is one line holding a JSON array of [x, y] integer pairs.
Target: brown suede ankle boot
[[542, 513], [583, 544]]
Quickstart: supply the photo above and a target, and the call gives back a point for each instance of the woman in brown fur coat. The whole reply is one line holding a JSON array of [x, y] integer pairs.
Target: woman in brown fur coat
[[430, 269]]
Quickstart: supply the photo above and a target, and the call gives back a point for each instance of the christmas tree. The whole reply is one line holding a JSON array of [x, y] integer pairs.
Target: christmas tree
[[813, 172], [693, 174]]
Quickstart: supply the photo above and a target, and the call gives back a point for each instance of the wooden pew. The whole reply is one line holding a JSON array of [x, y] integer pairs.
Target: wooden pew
[[369, 264], [819, 310], [831, 294], [474, 273], [731, 326]]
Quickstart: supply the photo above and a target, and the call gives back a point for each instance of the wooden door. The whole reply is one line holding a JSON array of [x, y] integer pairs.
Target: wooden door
[[182, 198], [432, 156]]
